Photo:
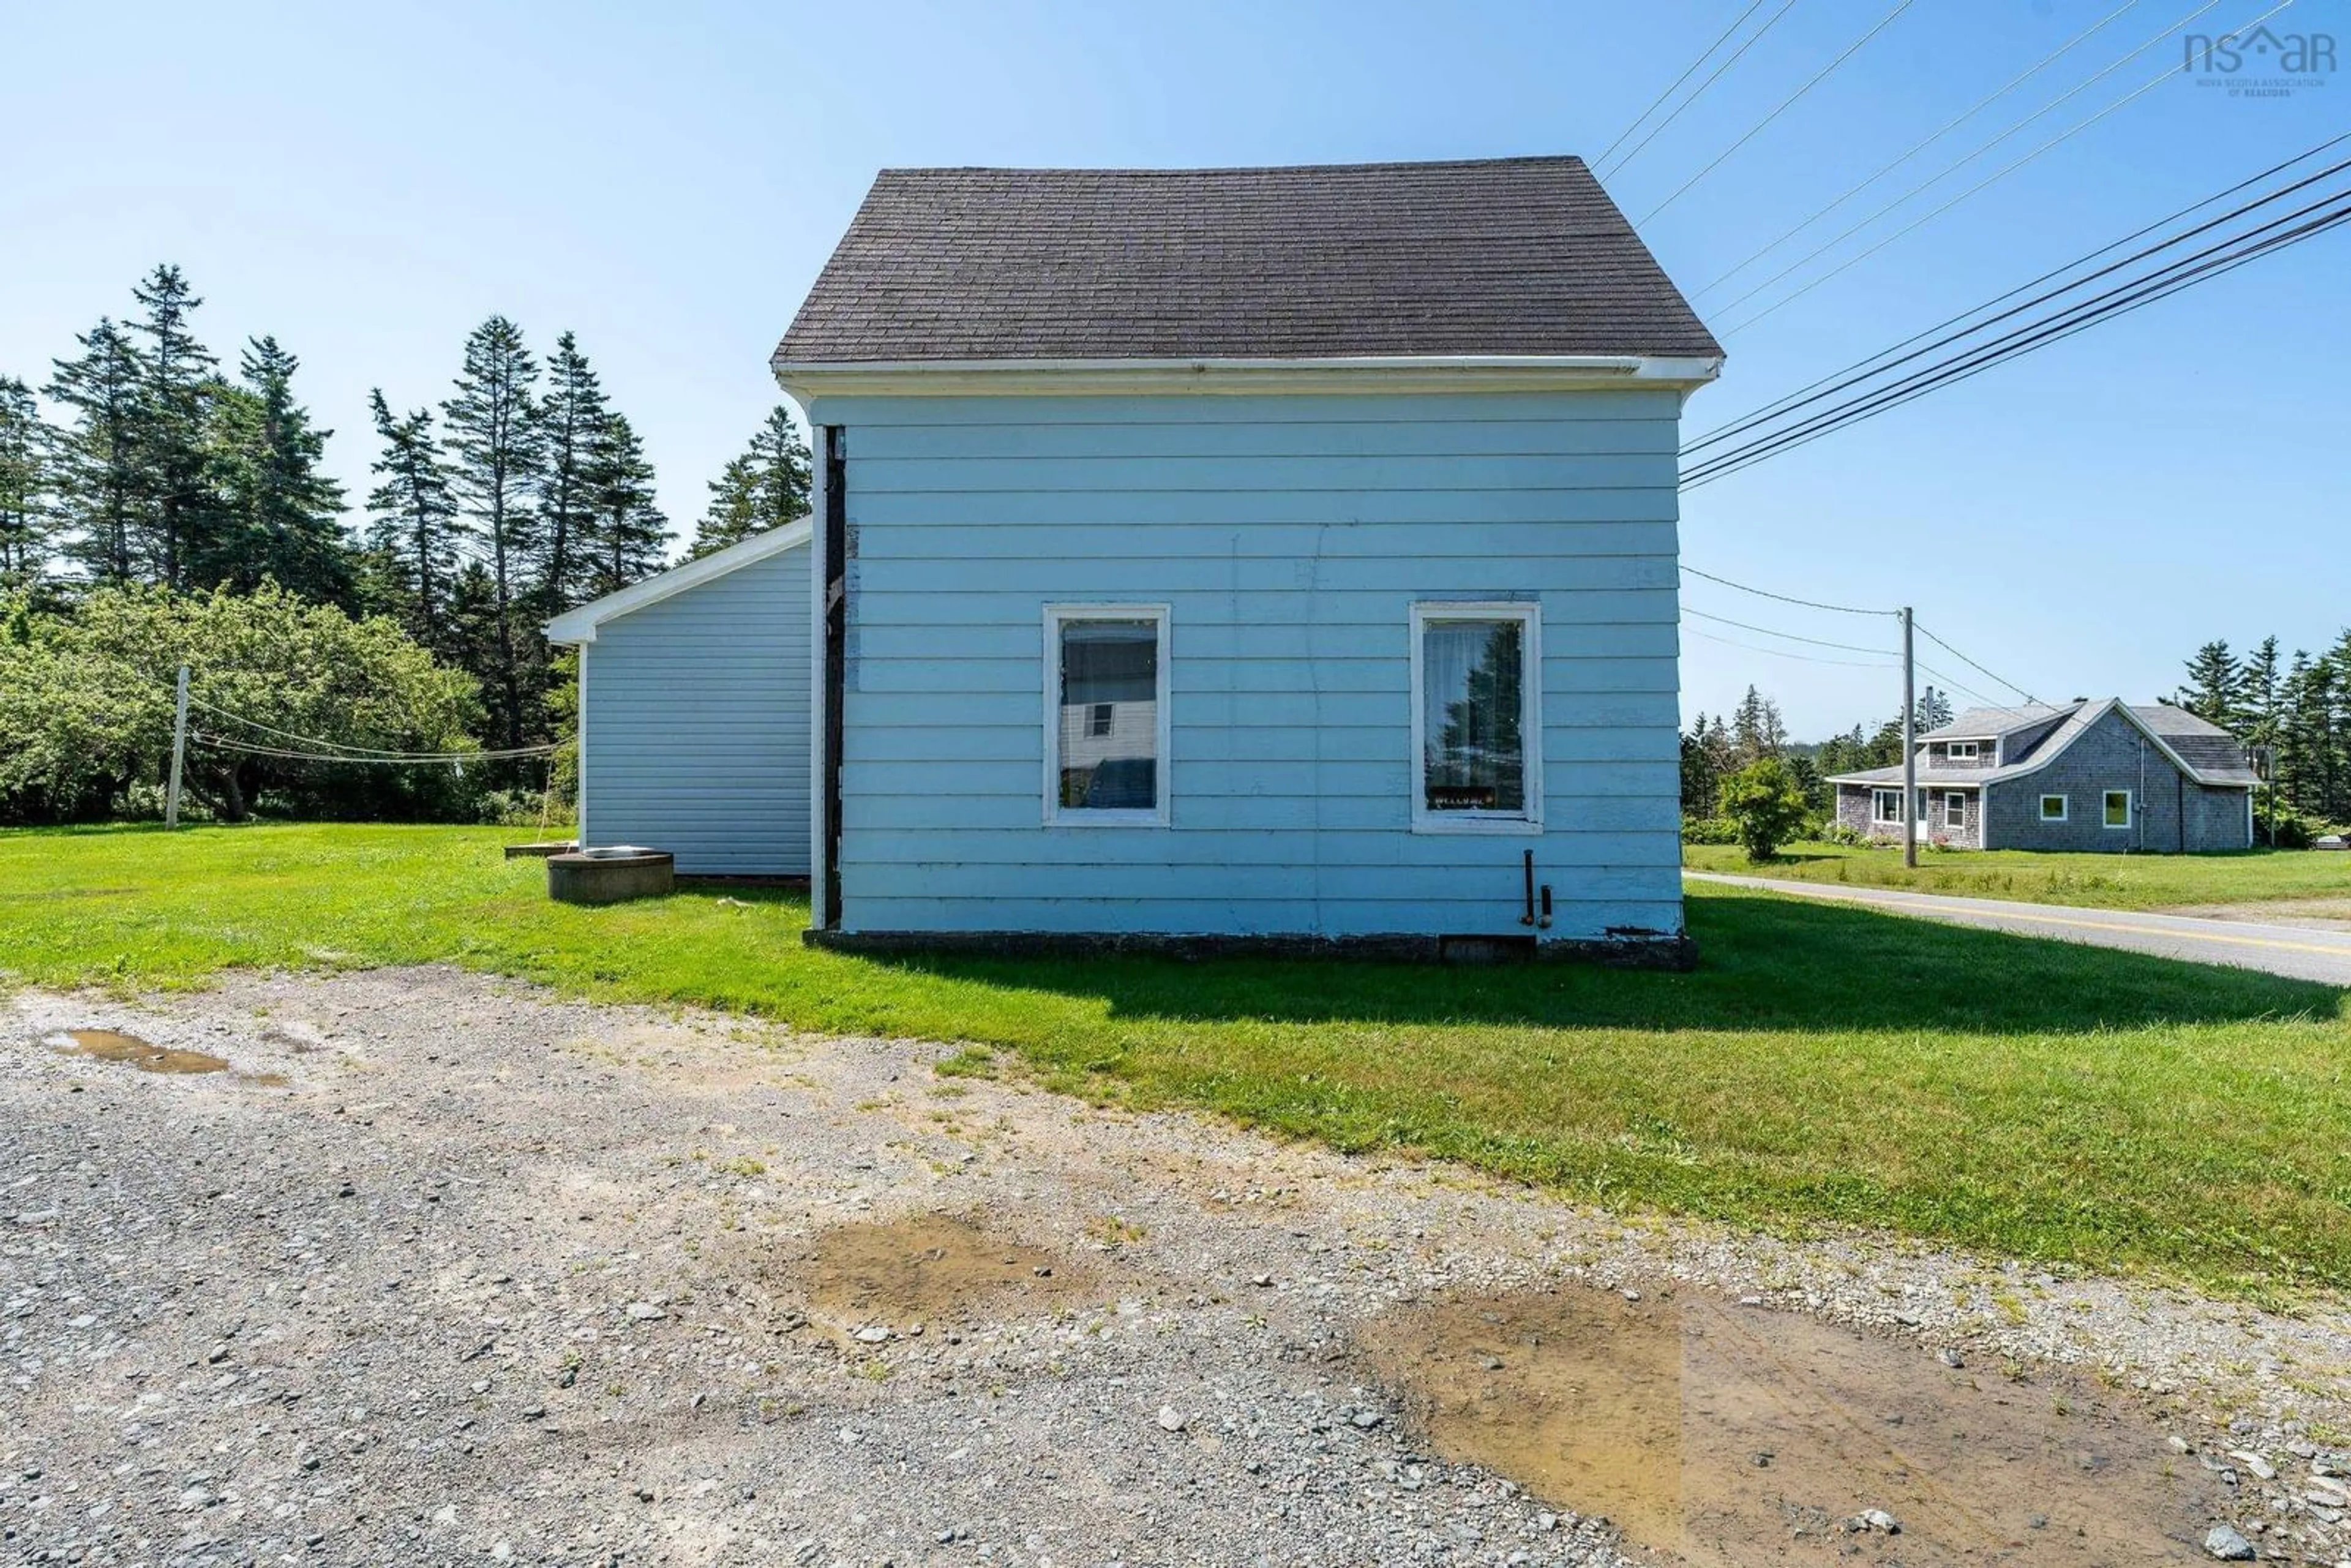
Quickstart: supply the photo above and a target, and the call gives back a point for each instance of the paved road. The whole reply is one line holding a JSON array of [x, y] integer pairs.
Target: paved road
[[2297, 952]]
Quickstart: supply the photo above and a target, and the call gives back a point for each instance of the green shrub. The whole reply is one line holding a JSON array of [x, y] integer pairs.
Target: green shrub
[[1768, 805], [1709, 830]]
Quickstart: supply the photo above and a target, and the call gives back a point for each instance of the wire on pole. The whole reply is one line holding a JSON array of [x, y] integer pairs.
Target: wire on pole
[[1785, 598]]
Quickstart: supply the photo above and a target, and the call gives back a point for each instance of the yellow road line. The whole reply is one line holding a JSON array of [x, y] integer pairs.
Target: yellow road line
[[1894, 899]]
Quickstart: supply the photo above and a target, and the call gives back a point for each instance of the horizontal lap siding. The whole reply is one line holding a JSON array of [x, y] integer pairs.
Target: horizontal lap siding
[[698, 715], [1290, 536]]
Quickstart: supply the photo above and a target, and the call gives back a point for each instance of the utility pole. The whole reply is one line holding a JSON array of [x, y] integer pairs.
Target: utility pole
[[179, 750], [1909, 749]]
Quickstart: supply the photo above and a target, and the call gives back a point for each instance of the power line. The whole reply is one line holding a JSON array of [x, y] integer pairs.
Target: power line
[[1700, 91], [1956, 684], [1949, 126], [1990, 179], [1861, 370], [2132, 296], [2144, 289], [1783, 597], [1736, 22], [460, 758], [1784, 105], [345, 751], [1789, 653], [1960, 162], [1791, 636], [1970, 664]]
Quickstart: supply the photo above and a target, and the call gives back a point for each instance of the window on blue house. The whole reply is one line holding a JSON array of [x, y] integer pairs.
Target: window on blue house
[[1477, 717], [1106, 731]]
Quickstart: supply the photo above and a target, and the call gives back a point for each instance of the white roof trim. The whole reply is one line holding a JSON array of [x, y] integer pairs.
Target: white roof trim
[[1365, 373], [576, 626]]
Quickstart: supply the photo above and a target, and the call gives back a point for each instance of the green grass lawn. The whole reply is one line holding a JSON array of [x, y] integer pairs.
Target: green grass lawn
[[2105, 882], [1824, 1064]]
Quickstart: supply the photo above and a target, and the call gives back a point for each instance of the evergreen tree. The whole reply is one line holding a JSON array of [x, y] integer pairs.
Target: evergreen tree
[[1698, 777], [414, 530], [1934, 710], [180, 514], [98, 469], [629, 531], [283, 512], [764, 489], [1756, 728], [2215, 688], [2309, 742], [490, 435], [26, 517], [571, 418]]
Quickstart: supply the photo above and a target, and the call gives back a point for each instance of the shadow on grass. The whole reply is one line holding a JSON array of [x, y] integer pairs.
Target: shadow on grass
[[1765, 964]]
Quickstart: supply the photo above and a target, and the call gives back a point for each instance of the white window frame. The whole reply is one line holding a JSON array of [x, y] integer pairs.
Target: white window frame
[[2130, 804], [1529, 615], [1877, 815], [2064, 808], [1955, 809], [1963, 750], [1162, 772]]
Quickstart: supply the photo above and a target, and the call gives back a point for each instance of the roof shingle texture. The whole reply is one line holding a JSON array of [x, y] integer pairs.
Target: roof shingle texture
[[1520, 256]]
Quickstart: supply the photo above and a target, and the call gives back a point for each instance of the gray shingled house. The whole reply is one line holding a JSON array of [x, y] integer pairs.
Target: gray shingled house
[[2081, 776]]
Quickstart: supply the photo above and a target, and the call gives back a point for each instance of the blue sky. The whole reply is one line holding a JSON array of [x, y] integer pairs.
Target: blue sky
[[368, 183]]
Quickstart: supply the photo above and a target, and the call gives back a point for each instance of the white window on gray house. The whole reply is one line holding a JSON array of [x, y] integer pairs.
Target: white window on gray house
[[1477, 717], [1964, 752], [1955, 809], [1885, 805], [2118, 808], [1106, 715], [2053, 808]]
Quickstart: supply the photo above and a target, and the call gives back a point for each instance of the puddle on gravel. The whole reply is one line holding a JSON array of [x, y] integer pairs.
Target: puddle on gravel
[[1735, 1436], [930, 1268], [113, 1045]]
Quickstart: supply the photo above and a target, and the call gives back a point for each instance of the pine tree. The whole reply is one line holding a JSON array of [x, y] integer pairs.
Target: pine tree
[[572, 417], [764, 489], [99, 470], [2215, 688], [1934, 710], [1756, 728], [181, 516], [490, 435], [2310, 754], [2259, 691], [27, 519], [1701, 778], [629, 530], [282, 511], [414, 530]]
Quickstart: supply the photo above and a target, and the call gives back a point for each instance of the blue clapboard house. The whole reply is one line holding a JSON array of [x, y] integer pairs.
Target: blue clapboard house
[[1243, 557]]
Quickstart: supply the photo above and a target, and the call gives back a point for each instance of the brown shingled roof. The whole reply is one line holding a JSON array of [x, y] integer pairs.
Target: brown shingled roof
[[1515, 256]]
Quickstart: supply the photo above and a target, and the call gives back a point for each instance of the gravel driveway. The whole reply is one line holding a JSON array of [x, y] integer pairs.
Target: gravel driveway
[[439, 1270]]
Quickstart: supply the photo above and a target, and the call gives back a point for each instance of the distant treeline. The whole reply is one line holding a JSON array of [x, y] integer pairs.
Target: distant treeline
[[523, 492]]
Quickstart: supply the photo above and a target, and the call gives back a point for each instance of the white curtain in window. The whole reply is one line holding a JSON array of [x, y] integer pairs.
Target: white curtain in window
[[1472, 675]]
